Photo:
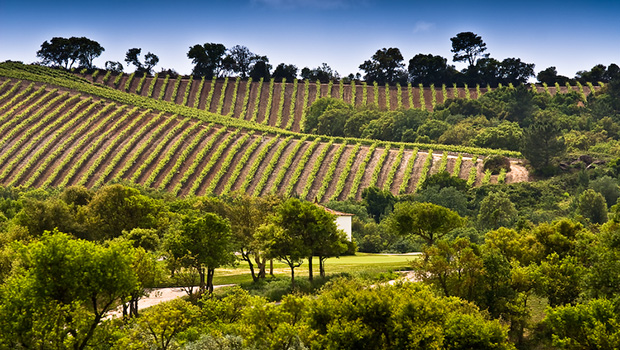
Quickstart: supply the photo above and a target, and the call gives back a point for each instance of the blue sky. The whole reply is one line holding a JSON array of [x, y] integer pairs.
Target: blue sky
[[571, 35]]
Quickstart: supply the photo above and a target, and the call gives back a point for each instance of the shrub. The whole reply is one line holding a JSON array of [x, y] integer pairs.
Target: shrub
[[495, 163]]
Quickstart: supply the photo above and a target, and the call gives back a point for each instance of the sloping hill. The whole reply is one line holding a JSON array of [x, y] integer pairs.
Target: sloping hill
[[282, 105], [58, 131]]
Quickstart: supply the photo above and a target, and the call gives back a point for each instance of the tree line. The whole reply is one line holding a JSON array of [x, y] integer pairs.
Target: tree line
[[386, 65]]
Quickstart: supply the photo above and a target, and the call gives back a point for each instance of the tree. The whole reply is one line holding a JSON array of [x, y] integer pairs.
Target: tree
[[261, 69], [467, 47], [246, 215], [592, 325], [496, 210], [159, 326], [378, 202], [284, 245], [207, 59], [599, 73], [507, 135], [592, 205], [64, 52], [150, 60], [285, 71], [550, 76], [324, 73], [115, 67], [385, 66], [429, 69], [202, 243], [241, 60], [428, 221], [513, 71], [453, 267], [88, 50], [310, 227], [63, 292], [318, 108], [543, 143], [117, 208]]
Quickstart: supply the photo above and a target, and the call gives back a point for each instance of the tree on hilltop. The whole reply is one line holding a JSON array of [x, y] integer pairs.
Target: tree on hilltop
[[64, 52], [467, 47], [385, 66], [241, 60], [150, 60], [324, 73], [429, 69], [288, 71], [208, 59]]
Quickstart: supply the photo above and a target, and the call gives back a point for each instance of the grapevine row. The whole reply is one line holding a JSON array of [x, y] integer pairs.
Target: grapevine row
[[315, 169], [300, 167], [259, 160], [287, 165], [426, 168], [214, 158], [244, 159], [399, 158], [379, 166], [170, 154], [345, 172], [150, 141], [33, 140], [77, 148], [291, 111], [408, 172], [111, 147], [226, 163], [118, 156], [330, 172], [199, 158], [197, 139], [160, 146], [360, 172], [271, 166], [75, 134]]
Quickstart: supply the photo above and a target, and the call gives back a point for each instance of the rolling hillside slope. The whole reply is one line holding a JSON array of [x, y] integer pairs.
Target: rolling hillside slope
[[247, 100], [60, 131]]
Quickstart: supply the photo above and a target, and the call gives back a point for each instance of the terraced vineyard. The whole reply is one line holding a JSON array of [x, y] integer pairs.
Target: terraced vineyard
[[70, 132], [282, 104]]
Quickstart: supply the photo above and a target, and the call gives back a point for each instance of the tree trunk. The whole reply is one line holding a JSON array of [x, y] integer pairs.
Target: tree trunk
[[255, 277], [271, 267], [322, 265], [201, 272], [261, 264], [310, 268], [292, 276], [210, 273]]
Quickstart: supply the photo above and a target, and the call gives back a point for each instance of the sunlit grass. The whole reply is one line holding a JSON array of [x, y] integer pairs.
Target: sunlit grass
[[365, 264]]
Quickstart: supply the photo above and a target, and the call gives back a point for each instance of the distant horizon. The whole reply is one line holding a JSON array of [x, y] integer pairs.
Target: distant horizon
[[307, 33]]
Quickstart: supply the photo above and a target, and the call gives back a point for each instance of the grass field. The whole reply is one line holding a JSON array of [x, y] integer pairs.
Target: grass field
[[363, 264]]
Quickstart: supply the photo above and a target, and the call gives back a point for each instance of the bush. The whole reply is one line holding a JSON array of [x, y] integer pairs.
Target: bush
[[496, 163]]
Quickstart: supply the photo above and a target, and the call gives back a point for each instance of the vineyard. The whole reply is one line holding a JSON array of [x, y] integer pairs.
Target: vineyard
[[282, 104], [59, 130]]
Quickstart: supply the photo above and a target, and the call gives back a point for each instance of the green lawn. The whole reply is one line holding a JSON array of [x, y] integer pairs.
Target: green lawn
[[361, 263]]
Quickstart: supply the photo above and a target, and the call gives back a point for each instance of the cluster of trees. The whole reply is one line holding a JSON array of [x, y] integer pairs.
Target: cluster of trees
[[385, 66], [67, 258], [543, 127]]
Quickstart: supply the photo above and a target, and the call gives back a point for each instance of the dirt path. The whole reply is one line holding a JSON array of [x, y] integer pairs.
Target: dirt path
[[157, 296]]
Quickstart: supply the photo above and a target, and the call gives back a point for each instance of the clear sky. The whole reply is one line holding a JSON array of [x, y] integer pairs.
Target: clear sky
[[571, 35]]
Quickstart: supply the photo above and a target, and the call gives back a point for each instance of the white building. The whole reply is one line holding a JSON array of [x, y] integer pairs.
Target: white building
[[343, 221]]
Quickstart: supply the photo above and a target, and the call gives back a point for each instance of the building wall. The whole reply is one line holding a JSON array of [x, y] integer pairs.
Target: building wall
[[344, 223]]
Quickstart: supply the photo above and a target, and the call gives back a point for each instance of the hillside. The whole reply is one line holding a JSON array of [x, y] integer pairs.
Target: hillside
[[60, 130], [282, 105]]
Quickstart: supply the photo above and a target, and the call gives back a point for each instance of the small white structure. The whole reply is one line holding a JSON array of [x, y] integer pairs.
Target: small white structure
[[343, 221]]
